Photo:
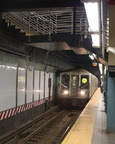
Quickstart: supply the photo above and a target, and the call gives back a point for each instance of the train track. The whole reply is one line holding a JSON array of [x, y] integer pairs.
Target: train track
[[50, 129]]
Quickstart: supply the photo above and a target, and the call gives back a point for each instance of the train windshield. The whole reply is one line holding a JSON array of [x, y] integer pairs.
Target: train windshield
[[65, 81]]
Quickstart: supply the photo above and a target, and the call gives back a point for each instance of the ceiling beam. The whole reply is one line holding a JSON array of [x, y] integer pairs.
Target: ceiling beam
[[6, 5]]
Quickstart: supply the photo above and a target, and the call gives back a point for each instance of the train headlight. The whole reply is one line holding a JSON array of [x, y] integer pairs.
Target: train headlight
[[82, 92], [65, 92]]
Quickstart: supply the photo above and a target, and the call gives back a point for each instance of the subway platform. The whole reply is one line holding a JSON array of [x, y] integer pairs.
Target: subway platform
[[90, 128]]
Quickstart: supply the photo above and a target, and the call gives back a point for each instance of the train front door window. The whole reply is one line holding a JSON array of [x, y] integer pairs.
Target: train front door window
[[84, 81], [74, 85], [65, 84]]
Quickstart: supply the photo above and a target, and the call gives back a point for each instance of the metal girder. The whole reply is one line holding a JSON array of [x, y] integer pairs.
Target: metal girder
[[6, 5], [34, 54]]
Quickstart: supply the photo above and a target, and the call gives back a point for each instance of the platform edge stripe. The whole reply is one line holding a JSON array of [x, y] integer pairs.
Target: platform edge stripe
[[13, 111], [10, 111], [2, 115], [23, 108], [29, 105], [38, 102], [26, 106], [6, 114], [35, 103], [19, 109]]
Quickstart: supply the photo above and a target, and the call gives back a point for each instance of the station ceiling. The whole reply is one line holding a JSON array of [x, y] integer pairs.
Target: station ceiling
[[57, 26]]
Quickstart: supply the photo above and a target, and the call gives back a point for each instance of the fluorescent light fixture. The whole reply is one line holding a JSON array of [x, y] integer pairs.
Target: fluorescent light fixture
[[92, 11], [101, 68], [95, 40], [91, 57], [94, 55]]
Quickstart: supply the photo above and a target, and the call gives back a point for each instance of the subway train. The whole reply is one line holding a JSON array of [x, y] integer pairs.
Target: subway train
[[76, 87]]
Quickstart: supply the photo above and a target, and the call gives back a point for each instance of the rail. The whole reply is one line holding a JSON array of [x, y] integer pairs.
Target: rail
[[4, 138]]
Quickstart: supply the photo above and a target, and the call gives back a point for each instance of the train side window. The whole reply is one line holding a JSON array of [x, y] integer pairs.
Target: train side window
[[84, 81]]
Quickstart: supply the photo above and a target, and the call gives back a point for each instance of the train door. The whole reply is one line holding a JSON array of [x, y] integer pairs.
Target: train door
[[84, 82], [74, 85]]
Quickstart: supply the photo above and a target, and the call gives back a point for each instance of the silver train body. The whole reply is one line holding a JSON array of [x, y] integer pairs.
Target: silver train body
[[76, 87]]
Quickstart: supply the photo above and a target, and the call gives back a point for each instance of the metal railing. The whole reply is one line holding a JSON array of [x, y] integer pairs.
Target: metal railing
[[48, 21]]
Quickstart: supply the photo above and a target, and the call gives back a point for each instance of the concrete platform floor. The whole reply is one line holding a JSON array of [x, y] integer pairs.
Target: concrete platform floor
[[90, 128], [100, 134]]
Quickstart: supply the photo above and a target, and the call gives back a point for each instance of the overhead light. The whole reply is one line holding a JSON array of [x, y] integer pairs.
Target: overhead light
[[94, 55], [91, 57], [101, 68], [95, 40], [92, 11]]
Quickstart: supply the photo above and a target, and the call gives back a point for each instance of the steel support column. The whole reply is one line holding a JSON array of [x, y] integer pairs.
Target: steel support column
[[111, 102], [74, 26]]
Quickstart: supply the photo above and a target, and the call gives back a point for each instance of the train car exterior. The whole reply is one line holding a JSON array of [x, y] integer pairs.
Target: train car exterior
[[76, 87]]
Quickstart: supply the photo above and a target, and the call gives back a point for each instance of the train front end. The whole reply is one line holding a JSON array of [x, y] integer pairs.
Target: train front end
[[73, 89]]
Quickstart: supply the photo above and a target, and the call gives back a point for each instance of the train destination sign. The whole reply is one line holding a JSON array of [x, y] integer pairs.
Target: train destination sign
[[84, 80]]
